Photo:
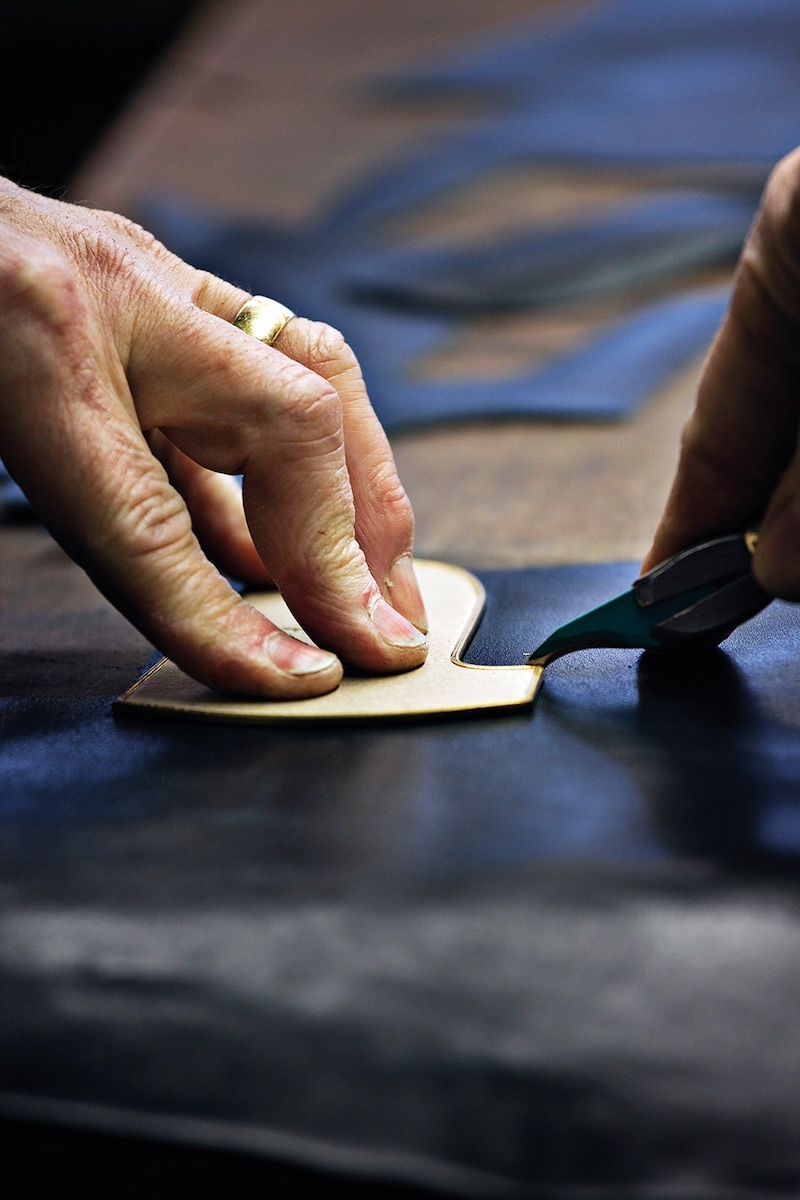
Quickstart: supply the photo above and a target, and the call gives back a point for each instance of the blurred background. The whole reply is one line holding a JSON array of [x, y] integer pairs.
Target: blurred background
[[77, 63]]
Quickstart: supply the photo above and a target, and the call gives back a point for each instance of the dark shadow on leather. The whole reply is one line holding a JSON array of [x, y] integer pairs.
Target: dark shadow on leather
[[406, 1056], [53, 674], [707, 781], [697, 744], [129, 1167]]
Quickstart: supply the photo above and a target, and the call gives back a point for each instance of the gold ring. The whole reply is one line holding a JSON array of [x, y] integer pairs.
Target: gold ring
[[262, 318]]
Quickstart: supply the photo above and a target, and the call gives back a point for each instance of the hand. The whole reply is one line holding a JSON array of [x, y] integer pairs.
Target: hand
[[127, 402], [739, 457]]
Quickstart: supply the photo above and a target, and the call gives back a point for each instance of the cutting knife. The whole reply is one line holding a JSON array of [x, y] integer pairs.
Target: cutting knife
[[690, 601]]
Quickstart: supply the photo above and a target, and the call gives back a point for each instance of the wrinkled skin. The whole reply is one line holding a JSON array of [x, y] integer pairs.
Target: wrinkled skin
[[127, 402], [739, 458]]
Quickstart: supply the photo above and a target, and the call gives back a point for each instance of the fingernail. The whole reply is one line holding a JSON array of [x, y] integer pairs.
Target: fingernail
[[404, 592], [393, 627], [296, 658]]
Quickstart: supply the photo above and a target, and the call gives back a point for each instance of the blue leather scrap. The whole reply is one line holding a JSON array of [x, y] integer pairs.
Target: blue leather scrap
[[638, 83], [622, 248], [605, 378]]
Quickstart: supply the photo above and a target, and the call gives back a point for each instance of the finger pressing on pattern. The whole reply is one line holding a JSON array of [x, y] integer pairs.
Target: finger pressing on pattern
[[92, 479], [145, 558], [301, 509], [384, 520]]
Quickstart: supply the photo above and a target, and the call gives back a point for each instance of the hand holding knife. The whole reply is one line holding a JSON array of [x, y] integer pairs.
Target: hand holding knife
[[690, 601]]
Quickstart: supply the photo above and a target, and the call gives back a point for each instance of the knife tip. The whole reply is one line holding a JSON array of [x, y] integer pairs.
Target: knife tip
[[543, 654]]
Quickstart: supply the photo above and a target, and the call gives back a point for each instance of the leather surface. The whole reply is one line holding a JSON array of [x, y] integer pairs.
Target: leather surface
[[538, 955]]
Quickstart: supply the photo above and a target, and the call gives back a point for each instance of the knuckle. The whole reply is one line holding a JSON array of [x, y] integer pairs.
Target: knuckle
[[208, 289], [116, 238], [151, 520], [318, 404], [387, 516], [326, 350], [124, 228], [324, 342], [390, 496], [332, 555], [697, 447], [104, 252], [38, 281], [308, 408], [122, 262]]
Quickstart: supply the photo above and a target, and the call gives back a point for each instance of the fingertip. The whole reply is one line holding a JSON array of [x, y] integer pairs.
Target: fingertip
[[404, 592], [283, 670], [393, 628], [299, 660], [276, 666], [244, 654]]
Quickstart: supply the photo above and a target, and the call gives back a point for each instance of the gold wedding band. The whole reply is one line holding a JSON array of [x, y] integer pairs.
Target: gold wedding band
[[262, 318]]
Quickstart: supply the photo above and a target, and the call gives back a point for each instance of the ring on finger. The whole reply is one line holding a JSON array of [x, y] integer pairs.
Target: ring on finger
[[263, 318]]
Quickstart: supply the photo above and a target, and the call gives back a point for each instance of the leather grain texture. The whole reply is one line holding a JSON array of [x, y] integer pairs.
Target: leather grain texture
[[539, 955]]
